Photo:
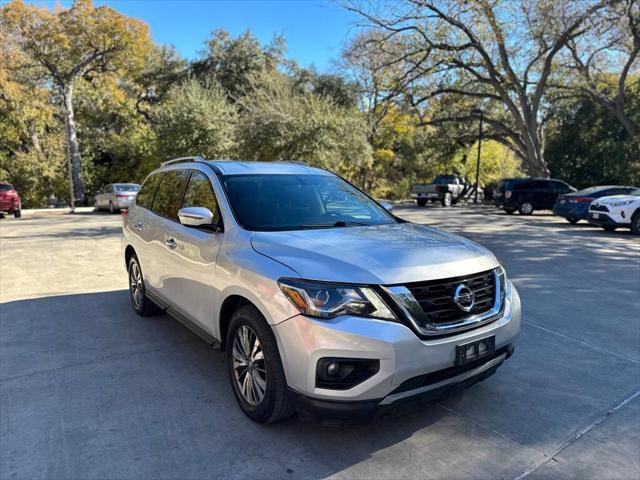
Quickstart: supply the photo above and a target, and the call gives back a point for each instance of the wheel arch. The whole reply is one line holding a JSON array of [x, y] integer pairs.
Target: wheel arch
[[229, 306], [129, 252]]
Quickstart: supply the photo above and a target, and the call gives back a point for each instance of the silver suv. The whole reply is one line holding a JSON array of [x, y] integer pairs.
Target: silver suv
[[322, 299]]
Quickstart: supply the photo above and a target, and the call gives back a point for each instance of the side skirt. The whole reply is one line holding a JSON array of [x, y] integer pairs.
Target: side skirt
[[184, 320]]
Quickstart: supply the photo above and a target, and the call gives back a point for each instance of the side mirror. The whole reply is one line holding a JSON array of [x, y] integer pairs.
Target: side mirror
[[387, 206], [196, 217]]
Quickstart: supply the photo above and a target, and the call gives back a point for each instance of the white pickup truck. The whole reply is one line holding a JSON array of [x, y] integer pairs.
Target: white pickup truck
[[448, 189]]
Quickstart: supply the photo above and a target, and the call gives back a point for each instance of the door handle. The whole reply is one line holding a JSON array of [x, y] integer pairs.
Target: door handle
[[171, 243], [139, 227]]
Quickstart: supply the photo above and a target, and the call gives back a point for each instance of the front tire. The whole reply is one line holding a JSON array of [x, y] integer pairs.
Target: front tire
[[255, 369], [609, 228], [142, 305], [510, 211], [447, 200], [572, 221], [635, 223], [17, 213], [525, 208]]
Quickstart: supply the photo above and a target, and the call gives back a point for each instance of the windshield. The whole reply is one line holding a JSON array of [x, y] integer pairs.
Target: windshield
[[297, 202], [127, 187]]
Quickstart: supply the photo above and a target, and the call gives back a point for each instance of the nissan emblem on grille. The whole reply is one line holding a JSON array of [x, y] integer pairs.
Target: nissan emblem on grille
[[463, 297]]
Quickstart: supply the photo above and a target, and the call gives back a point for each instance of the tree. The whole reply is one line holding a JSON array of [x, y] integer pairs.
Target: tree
[[196, 120], [603, 63], [498, 53], [280, 122], [66, 44], [232, 62], [586, 145]]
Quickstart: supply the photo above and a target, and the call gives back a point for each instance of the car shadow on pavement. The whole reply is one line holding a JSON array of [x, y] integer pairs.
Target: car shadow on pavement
[[90, 389]]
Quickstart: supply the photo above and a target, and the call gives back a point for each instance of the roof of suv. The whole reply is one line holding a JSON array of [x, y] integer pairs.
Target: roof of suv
[[239, 167]]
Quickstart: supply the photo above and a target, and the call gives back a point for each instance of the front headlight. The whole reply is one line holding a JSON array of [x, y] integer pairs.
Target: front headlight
[[622, 204], [324, 300]]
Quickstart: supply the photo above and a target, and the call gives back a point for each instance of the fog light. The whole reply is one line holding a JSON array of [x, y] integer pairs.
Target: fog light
[[333, 369], [344, 373]]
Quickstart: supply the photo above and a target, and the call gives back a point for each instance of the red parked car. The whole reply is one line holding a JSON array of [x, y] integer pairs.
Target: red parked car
[[10, 200]]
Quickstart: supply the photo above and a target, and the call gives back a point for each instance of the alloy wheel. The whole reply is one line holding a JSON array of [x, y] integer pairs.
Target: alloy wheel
[[136, 285], [249, 366], [526, 208]]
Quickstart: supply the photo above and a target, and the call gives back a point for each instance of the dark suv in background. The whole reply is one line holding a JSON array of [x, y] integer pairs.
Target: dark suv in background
[[528, 194]]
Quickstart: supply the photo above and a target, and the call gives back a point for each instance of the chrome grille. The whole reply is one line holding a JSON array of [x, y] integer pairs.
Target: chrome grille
[[431, 310], [436, 297]]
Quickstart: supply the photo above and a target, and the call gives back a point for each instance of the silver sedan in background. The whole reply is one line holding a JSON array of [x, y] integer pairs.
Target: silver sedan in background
[[116, 196]]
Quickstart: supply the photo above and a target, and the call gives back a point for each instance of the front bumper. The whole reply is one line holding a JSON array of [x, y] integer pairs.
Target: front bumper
[[303, 341], [446, 383], [610, 219]]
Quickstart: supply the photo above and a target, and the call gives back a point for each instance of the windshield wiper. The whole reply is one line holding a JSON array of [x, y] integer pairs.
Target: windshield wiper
[[339, 223]]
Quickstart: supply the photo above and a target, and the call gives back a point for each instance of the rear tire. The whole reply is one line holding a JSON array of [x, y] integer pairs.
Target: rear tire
[[142, 305], [421, 202], [447, 200], [510, 211], [635, 223], [572, 221], [276, 403], [96, 207], [111, 208], [17, 213], [525, 208], [609, 228]]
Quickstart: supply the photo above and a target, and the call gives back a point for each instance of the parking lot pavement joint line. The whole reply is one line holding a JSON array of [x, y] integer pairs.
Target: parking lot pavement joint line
[[485, 427], [578, 435], [603, 350], [100, 359]]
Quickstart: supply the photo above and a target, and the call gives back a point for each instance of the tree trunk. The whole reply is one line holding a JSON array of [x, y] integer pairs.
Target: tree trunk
[[76, 185]]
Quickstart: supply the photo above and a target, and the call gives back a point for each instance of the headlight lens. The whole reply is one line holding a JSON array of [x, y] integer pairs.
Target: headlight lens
[[622, 204], [323, 300]]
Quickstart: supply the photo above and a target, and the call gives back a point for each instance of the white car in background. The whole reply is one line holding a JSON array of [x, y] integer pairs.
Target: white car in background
[[116, 196], [618, 211]]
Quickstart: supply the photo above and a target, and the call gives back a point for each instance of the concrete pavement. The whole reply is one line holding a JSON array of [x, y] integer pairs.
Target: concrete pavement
[[90, 390]]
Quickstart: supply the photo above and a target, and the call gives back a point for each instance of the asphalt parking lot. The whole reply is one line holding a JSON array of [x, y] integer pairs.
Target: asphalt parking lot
[[90, 390]]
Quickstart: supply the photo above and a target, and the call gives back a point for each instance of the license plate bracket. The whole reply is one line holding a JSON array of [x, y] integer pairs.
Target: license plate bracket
[[595, 215], [470, 352]]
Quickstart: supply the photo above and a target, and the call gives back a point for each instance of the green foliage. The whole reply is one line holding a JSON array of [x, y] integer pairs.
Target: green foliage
[[233, 62], [586, 145], [280, 122], [196, 120]]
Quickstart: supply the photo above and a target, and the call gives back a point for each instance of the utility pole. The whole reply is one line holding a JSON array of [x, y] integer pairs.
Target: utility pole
[[477, 111]]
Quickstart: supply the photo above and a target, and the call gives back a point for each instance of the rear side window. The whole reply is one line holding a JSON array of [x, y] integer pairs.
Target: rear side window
[[5, 187], [168, 197], [200, 194], [559, 187], [525, 186], [148, 190]]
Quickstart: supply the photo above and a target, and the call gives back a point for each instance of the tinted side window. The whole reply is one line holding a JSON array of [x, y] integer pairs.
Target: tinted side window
[[200, 194], [615, 191], [148, 190], [525, 186], [168, 197]]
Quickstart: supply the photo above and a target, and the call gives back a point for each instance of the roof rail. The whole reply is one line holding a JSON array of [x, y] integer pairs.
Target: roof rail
[[195, 158]]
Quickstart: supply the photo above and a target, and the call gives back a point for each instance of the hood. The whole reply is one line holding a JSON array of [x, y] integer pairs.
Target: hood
[[380, 254], [615, 199]]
